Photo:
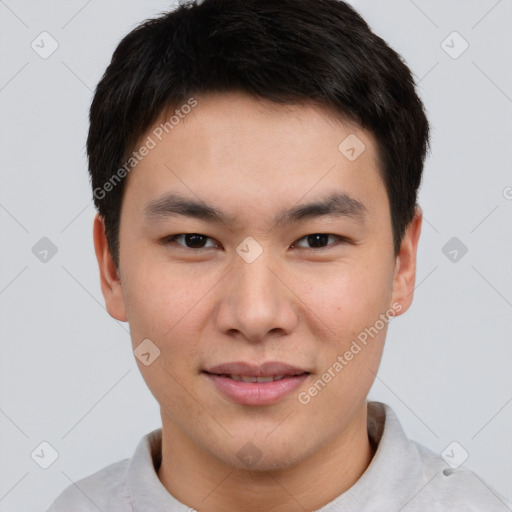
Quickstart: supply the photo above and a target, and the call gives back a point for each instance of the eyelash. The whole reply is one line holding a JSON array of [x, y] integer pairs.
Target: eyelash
[[172, 239]]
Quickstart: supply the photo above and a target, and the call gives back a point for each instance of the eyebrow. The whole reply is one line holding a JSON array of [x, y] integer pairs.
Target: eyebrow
[[336, 204]]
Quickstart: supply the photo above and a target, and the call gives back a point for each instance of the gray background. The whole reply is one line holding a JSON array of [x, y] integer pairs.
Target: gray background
[[67, 372]]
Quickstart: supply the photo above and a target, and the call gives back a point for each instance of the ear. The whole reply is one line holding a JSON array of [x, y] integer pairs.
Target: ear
[[405, 268], [109, 277]]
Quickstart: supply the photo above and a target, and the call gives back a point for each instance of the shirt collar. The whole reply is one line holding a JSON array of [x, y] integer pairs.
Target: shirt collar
[[395, 462], [146, 490]]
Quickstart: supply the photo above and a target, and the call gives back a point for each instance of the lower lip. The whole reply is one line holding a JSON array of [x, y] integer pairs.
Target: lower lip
[[256, 393]]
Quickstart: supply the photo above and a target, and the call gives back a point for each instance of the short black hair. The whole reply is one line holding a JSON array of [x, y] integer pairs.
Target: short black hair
[[286, 51]]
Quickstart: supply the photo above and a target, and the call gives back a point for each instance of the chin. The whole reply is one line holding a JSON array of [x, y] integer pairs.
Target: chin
[[268, 464], [261, 455]]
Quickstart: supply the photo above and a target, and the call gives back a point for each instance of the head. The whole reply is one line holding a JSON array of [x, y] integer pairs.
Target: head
[[254, 124]]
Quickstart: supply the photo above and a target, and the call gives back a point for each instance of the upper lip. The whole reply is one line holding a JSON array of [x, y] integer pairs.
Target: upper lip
[[267, 369]]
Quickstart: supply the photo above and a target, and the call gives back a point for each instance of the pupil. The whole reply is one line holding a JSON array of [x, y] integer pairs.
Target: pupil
[[317, 239], [195, 241]]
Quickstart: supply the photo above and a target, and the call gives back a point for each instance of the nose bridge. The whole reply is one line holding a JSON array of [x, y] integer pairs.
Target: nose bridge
[[254, 280], [255, 301]]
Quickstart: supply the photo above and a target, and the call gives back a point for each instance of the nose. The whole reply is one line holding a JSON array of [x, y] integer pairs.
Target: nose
[[256, 302]]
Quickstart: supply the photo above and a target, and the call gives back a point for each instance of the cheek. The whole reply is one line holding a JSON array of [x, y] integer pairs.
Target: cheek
[[165, 308], [161, 299], [350, 295], [350, 301], [352, 305]]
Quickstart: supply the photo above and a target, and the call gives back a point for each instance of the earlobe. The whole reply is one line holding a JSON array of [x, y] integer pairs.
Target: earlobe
[[405, 270], [109, 277]]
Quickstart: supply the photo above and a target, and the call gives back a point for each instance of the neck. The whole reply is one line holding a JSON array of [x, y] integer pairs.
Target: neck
[[200, 480]]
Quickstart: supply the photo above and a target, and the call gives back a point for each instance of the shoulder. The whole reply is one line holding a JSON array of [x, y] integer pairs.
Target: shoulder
[[453, 489], [418, 479], [104, 490]]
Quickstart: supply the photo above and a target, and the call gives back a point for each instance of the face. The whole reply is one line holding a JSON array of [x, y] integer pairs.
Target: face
[[287, 257]]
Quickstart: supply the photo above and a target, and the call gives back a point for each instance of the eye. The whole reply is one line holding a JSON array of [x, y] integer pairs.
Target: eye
[[196, 241], [319, 240], [189, 240]]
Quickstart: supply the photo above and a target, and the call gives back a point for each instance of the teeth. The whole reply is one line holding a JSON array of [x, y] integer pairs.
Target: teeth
[[242, 378]]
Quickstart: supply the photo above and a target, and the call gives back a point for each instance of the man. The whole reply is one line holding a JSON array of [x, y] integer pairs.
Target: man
[[255, 166]]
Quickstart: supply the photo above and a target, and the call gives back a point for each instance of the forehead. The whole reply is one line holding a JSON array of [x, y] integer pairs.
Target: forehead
[[231, 148]]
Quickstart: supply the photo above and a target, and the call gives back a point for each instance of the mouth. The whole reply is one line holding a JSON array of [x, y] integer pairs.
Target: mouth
[[260, 380], [248, 384]]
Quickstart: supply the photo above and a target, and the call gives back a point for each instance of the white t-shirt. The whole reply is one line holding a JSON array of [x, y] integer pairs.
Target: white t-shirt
[[403, 477]]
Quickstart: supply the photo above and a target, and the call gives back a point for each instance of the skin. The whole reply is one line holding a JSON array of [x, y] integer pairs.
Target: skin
[[295, 303]]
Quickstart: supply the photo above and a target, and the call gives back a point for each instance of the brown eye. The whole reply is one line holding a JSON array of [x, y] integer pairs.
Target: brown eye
[[190, 240], [318, 241]]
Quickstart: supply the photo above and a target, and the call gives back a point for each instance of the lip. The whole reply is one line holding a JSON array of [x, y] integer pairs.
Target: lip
[[256, 393], [267, 369]]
